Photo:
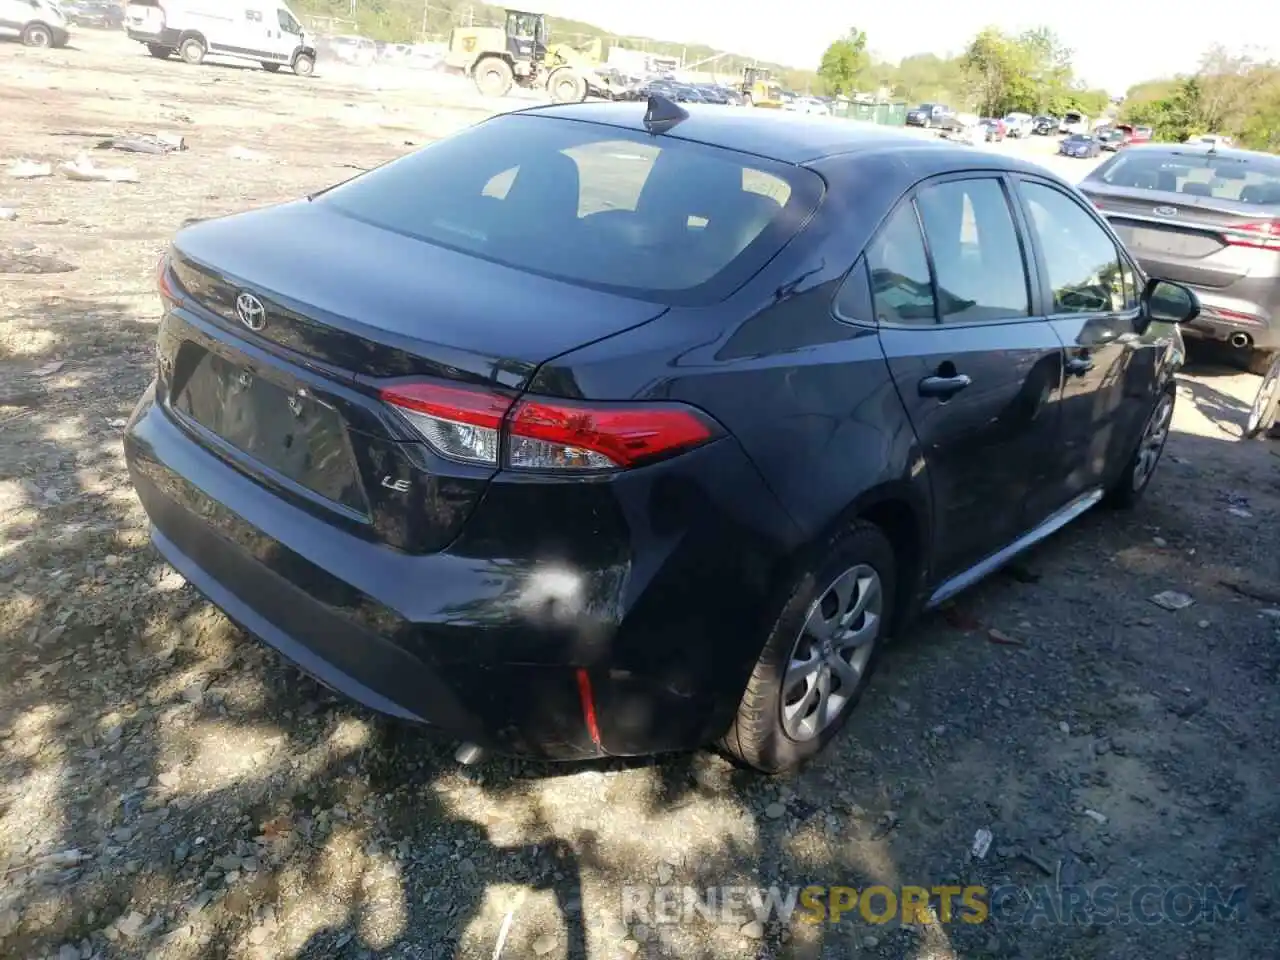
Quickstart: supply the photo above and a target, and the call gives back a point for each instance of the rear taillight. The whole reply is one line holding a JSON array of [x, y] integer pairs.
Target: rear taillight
[[475, 425], [164, 282], [1264, 234]]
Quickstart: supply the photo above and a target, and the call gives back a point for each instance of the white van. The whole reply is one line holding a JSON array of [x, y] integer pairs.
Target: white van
[[261, 30], [37, 23], [1074, 122]]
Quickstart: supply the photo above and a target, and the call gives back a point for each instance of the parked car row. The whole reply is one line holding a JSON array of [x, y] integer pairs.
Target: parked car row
[[684, 92], [98, 14]]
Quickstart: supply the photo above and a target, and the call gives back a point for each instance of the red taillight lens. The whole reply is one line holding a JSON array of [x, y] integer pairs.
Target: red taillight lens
[[458, 422], [164, 284], [1264, 234], [557, 435], [481, 426]]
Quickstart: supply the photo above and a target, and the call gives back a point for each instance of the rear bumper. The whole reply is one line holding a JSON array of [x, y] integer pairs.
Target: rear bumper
[[1222, 321], [165, 37], [498, 651]]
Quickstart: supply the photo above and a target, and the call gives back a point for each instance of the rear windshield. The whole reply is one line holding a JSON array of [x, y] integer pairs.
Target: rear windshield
[[1250, 179], [652, 217]]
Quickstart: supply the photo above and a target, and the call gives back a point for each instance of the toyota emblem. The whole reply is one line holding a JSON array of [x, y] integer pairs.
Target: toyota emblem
[[251, 311], [1166, 211]]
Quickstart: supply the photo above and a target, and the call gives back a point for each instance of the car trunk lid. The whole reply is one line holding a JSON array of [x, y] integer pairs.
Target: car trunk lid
[[291, 319], [1186, 237]]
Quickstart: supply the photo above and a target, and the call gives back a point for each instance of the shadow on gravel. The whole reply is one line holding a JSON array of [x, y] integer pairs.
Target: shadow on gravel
[[170, 789]]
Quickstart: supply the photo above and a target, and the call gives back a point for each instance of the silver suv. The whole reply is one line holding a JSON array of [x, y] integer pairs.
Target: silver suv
[[1210, 218]]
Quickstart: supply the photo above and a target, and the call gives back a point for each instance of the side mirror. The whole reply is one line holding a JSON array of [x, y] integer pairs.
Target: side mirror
[[1169, 302]]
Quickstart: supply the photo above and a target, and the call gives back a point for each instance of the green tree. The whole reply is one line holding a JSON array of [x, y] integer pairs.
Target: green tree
[[845, 62], [1000, 70]]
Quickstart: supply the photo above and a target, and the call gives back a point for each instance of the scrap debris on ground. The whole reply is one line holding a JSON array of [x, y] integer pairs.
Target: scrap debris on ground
[[170, 789]]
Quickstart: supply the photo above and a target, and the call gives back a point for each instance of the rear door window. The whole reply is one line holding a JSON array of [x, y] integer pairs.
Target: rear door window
[[977, 258], [657, 218]]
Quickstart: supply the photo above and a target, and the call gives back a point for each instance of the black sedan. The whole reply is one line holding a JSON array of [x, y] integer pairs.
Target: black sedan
[[674, 470]]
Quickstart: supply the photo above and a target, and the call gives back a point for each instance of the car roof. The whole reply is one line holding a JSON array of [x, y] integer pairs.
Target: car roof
[[785, 136]]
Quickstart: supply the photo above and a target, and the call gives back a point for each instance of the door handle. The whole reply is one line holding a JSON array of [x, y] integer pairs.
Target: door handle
[[944, 388], [1079, 366]]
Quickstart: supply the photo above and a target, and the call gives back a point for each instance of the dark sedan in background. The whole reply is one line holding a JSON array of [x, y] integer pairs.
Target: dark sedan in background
[[1209, 218], [100, 14], [674, 472], [1081, 145]]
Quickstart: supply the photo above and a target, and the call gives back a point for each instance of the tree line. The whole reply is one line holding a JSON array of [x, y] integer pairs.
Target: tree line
[[998, 73], [1231, 94]]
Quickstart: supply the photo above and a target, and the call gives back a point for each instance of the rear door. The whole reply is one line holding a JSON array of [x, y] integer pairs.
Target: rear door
[[977, 370], [145, 17], [1112, 356]]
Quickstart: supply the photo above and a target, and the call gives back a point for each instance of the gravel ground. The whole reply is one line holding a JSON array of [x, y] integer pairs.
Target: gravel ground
[[170, 789]]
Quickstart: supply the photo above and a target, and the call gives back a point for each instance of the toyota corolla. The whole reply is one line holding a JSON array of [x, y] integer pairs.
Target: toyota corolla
[[594, 430]]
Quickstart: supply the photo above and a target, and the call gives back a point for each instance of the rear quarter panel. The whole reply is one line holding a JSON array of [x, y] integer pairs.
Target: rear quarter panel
[[808, 396]]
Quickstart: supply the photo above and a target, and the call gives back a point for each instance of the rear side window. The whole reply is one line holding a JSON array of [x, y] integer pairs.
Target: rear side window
[[654, 217], [976, 255], [1252, 180], [900, 285]]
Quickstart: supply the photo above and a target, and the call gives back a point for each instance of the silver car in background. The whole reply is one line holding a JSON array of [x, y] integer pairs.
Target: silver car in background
[[1207, 217]]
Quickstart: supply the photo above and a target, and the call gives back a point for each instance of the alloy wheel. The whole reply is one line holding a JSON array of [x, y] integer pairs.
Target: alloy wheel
[[1262, 402], [1153, 439], [830, 656]]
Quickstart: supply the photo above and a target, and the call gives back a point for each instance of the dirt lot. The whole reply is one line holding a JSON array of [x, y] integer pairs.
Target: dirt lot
[[169, 789]]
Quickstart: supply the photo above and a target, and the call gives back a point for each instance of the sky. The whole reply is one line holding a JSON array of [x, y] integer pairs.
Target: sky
[[1117, 42]]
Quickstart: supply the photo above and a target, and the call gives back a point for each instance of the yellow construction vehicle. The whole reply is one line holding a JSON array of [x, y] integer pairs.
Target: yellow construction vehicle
[[496, 58], [760, 89]]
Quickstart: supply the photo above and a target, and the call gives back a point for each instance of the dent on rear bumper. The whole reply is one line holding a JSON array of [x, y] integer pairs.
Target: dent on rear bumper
[[485, 648]]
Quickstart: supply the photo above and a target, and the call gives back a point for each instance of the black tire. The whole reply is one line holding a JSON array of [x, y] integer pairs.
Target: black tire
[[192, 50], [567, 86], [1136, 477], [1266, 403], [493, 76], [37, 35], [270, 67], [159, 52], [304, 65], [758, 736]]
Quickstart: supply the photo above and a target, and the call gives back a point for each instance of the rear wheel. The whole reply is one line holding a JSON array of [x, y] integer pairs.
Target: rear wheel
[[494, 77], [37, 35], [567, 86], [1266, 405], [192, 50], [159, 52], [819, 655], [1132, 483], [304, 65]]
